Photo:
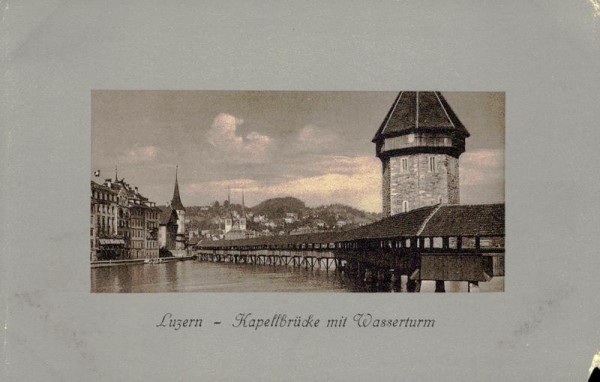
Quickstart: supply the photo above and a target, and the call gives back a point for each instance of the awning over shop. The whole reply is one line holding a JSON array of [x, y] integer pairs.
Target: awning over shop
[[111, 241]]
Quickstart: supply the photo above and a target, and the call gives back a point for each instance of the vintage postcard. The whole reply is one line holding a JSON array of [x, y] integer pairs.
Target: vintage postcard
[[299, 190]]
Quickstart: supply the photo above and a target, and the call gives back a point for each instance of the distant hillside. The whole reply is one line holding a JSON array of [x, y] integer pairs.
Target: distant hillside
[[270, 215], [276, 208], [334, 212]]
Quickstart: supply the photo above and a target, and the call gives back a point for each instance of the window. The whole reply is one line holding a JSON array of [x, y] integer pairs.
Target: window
[[404, 165], [405, 206], [432, 164]]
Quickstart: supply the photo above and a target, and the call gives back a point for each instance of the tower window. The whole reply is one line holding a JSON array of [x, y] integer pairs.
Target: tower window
[[404, 165], [405, 206], [432, 167]]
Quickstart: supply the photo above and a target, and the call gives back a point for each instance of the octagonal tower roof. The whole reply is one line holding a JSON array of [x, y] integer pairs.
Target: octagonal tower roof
[[414, 112]]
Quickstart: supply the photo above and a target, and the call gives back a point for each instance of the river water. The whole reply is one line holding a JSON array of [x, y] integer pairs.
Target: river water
[[196, 276]]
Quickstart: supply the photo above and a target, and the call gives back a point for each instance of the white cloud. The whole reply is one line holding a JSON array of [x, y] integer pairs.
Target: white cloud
[[138, 155], [223, 135], [311, 136]]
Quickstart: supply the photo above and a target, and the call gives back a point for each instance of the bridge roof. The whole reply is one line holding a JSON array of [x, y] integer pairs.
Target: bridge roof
[[433, 221], [466, 220]]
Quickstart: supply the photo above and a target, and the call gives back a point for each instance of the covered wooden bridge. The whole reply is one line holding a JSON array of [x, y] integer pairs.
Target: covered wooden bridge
[[441, 243]]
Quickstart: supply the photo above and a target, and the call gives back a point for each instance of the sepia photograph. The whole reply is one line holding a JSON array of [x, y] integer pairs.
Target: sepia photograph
[[275, 191]]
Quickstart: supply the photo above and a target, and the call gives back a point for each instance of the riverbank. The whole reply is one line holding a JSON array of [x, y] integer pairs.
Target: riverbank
[[160, 260]]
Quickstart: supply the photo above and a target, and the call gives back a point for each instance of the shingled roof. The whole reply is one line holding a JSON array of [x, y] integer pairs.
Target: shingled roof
[[401, 225], [433, 221], [466, 220], [419, 111], [167, 214]]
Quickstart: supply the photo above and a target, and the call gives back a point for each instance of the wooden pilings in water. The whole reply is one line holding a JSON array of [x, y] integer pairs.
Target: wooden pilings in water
[[294, 260], [383, 270]]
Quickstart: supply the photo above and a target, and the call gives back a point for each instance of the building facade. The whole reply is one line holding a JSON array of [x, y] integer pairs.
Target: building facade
[[151, 216], [419, 143], [124, 224], [106, 242]]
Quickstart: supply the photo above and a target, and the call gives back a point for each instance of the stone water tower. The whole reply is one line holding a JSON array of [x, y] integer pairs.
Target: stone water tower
[[419, 143]]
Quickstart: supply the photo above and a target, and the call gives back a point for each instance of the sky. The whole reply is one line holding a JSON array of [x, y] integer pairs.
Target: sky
[[315, 146]]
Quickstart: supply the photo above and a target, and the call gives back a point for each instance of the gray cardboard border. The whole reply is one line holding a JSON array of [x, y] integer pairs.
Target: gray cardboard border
[[543, 55]]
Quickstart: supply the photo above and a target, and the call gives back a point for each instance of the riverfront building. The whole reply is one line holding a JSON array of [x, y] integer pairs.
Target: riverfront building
[[419, 143], [124, 223], [105, 240]]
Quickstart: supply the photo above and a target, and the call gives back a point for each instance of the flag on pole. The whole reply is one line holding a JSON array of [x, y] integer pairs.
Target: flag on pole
[[97, 173]]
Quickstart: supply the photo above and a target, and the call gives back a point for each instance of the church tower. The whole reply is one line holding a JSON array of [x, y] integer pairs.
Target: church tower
[[180, 209], [243, 217], [419, 143]]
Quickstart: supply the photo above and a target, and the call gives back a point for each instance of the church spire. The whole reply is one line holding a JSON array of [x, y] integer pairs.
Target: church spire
[[116, 178], [176, 201], [243, 205]]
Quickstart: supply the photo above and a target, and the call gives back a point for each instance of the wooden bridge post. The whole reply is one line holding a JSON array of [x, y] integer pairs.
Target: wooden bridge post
[[439, 286], [413, 285], [370, 275], [473, 286]]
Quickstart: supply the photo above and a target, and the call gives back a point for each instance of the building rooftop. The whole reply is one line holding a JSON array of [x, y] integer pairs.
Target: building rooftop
[[166, 213], [419, 112]]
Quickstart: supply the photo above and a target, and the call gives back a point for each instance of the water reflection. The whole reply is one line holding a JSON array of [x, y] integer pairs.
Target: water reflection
[[194, 276]]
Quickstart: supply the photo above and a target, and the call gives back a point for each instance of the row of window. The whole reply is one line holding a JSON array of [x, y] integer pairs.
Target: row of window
[[431, 164], [102, 208], [137, 233], [102, 231], [411, 140], [105, 196], [103, 221], [105, 225]]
